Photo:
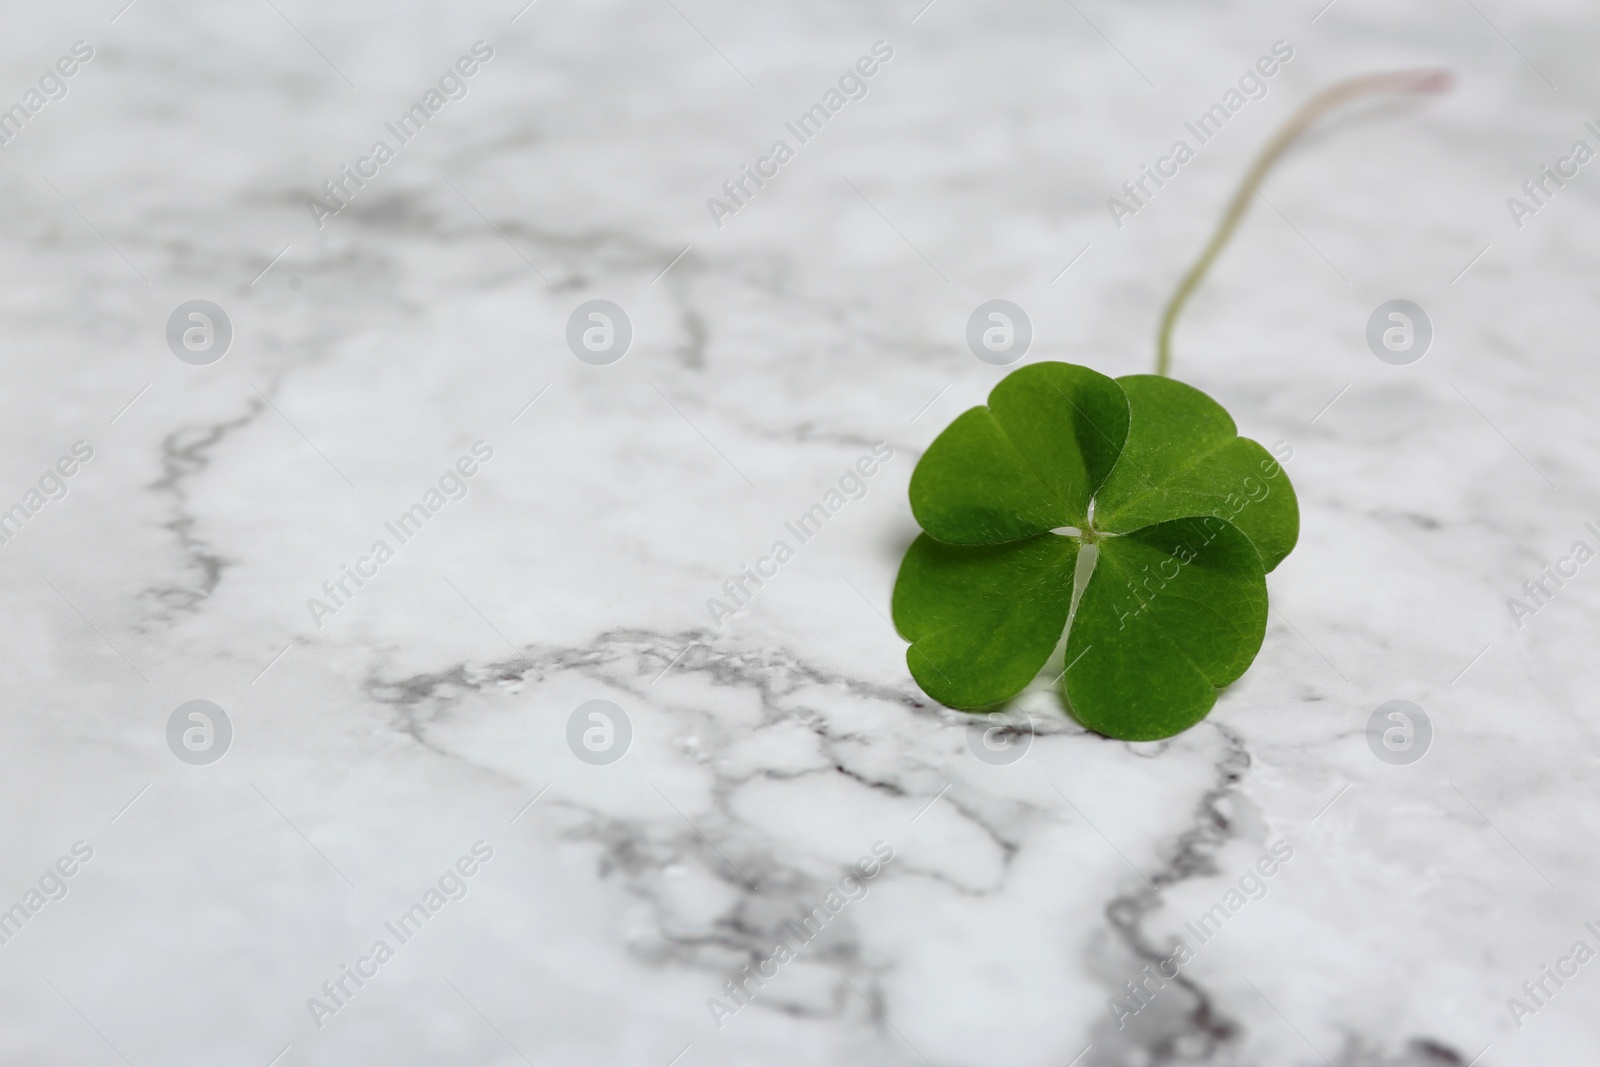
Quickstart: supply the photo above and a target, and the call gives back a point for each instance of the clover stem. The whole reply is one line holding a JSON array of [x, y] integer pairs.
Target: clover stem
[[1403, 81]]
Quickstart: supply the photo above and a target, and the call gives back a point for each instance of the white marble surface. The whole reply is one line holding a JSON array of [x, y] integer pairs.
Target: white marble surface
[[432, 708]]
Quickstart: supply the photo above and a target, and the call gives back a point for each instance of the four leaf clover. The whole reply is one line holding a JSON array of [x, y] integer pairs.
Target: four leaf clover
[[1184, 518]]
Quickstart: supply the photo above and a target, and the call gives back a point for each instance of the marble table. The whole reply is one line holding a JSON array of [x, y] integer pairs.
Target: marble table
[[395, 832]]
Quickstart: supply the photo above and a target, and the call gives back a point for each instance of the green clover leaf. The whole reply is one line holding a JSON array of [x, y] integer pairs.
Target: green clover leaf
[[1185, 516]]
